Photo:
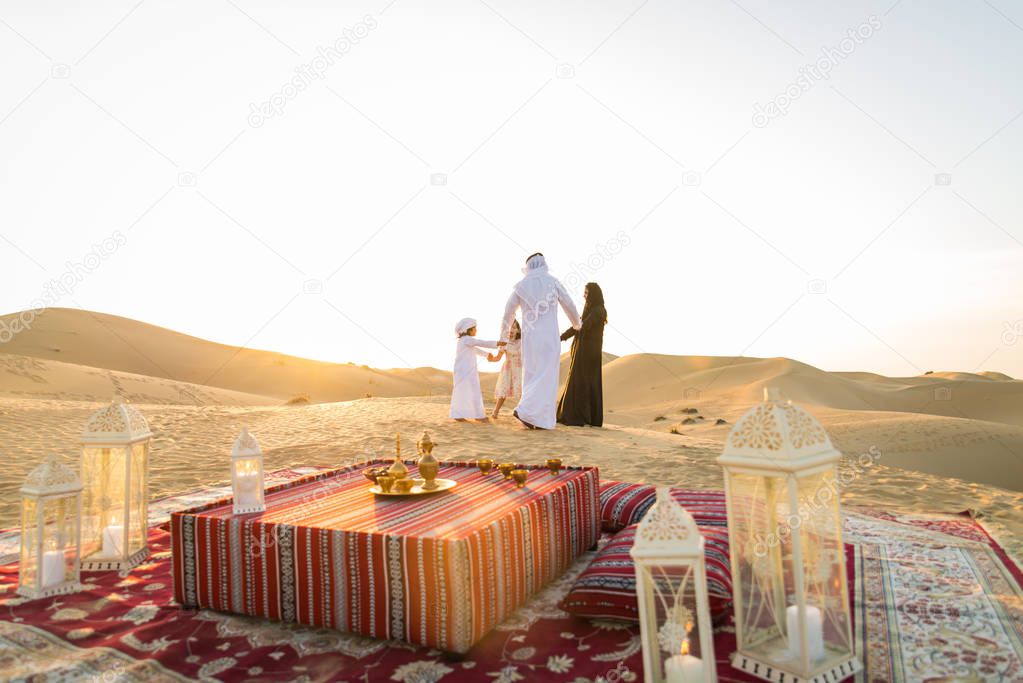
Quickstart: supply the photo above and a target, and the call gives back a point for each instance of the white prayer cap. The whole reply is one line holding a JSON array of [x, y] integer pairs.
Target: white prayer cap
[[535, 263], [464, 325]]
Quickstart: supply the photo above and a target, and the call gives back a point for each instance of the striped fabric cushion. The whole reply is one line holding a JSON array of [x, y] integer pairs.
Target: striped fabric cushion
[[607, 588], [624, 503], [620, 501]]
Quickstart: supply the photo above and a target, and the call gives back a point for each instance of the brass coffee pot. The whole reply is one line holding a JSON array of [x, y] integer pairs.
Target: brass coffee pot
[[428, 465]]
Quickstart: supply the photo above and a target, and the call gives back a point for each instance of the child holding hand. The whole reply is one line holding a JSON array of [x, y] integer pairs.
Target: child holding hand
[[466, 397]]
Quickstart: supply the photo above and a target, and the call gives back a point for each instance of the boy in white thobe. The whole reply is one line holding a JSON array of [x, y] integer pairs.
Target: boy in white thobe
[[466, 397], [539, 294]]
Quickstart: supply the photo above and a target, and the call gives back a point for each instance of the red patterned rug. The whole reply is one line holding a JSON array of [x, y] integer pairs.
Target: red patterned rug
[[129, 626], [934, 597]]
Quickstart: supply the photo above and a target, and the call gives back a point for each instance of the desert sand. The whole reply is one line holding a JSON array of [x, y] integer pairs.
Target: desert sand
[[944, 442]]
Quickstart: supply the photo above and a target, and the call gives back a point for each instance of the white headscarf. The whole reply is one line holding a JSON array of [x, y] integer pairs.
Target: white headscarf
[[464, 325], [535, 264]]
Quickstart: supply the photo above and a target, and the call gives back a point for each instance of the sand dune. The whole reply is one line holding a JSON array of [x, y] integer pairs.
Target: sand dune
[[80, 349], [950, 424], [23, 376], [727, 385], [98, 340]]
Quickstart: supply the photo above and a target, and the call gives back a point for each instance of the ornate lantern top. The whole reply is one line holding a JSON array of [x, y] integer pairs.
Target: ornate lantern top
[[778, 435], [667, 530], [245, 446], [51, 477], [117, 422]]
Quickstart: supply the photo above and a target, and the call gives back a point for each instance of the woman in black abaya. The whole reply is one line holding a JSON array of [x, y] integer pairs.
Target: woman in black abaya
[[582, 401]]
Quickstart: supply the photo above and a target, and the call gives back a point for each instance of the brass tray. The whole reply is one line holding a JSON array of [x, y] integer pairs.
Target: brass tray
[[417, 490]]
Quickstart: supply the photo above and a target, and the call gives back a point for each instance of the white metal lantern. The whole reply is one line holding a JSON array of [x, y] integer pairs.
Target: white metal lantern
[[247, 474], [671, 587], [792, 614], [51, 513], [115, 488]]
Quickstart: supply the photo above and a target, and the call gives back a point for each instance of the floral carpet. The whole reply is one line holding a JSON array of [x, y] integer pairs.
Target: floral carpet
[[940, 600], [935, 598]]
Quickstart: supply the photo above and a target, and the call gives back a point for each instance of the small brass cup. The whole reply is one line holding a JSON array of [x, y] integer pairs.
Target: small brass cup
[[485, 465], [506, 469], [405, 485], [385, 482], [554, 465], [520, 477]]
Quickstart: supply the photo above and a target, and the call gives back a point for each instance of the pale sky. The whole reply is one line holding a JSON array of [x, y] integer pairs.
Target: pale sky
[[825, 235]]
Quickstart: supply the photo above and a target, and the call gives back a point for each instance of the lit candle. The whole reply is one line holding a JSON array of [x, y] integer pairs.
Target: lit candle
[[113, 540], [53, 568], [683, 667], [814, 632]]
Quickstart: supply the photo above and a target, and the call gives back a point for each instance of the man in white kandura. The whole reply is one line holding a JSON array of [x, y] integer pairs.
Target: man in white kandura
[[539, 294]]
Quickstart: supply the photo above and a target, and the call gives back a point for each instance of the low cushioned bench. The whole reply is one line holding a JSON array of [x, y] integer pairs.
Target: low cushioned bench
[[439, 570]]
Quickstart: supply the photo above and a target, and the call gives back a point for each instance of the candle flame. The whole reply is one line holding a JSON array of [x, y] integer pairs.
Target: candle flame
[[685, 647]]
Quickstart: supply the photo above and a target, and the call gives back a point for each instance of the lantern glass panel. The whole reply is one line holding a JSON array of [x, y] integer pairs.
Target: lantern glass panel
[[819, 534], [671, 613], [790, 543], [248, 480], [104, 507], [138, 503], [248, 465], [58, 562], [759, 578], [28, 570]]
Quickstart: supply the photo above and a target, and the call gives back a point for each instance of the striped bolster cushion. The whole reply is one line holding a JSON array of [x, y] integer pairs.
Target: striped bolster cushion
[[607, 588], [624, 503]]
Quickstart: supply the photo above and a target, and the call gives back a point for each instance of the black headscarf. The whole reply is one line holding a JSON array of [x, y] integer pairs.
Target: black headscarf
[[594, 302]]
